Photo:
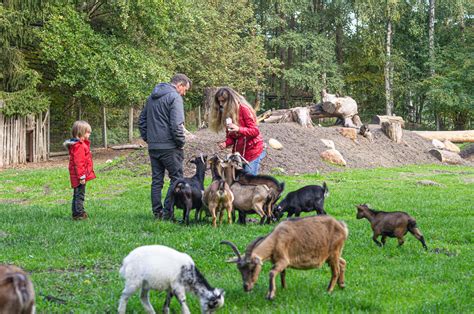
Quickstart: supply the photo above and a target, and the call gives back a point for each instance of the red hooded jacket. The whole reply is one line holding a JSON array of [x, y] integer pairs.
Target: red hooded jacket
[[247, 141], [80, 161]]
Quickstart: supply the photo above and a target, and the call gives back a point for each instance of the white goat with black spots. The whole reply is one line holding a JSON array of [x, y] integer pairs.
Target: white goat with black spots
[[157, 267]]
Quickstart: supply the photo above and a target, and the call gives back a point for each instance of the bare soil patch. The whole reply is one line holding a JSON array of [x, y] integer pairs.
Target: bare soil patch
[[300, 153], [302, 146]]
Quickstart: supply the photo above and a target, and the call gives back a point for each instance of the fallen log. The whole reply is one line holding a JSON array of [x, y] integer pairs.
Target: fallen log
[[452, 136], [447, 156], [127, 146], [264, 116], [380, 119], [300, 115]]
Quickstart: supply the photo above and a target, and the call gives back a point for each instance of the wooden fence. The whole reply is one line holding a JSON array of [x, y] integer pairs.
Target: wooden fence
[[24, 139]]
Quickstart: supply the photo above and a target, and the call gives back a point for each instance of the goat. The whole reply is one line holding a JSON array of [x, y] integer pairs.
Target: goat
[[390, 224], [306, 199], [16, 291], [218, 196], [300, 243], [186, 193], [276, 188], [247, 198], [162, 268]]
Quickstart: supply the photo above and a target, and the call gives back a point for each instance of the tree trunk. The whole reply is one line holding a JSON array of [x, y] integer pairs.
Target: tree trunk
[[339, 38], [104, 127], [130, 124], [388, 67], [431, 39]]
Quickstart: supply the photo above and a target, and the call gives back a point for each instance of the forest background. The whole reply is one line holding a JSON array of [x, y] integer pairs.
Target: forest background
[[412, 58]]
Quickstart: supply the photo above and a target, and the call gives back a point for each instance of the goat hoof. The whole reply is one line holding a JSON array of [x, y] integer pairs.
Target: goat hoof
[[270, 297]]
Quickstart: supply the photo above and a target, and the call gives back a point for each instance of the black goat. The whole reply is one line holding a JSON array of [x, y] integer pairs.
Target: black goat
[[186, 193], [306, 199]]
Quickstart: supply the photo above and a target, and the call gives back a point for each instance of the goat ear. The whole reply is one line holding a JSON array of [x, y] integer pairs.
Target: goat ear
[[233, 260], [257, 260]]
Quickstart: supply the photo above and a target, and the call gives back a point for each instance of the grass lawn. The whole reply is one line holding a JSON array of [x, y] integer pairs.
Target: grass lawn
[[78, 261]]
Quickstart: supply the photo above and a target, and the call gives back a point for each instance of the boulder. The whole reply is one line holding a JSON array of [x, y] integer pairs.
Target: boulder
[[437, 144], [333, 156], [350, 133], [328, 143], [451, 147], [275, 144]]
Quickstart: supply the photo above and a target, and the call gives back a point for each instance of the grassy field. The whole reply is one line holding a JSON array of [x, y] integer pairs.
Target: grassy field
[[78, 262]]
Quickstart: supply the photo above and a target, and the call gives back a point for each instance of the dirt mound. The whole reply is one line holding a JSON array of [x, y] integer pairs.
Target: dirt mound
[[302, 146]]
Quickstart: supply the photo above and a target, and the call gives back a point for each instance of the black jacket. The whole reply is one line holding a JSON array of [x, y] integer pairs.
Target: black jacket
[[161, 122]]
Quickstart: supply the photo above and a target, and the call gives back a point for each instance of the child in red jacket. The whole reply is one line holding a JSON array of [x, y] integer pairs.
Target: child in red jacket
[[81, 168]]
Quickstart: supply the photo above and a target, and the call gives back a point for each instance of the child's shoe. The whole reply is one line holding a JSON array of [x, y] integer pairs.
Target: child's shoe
[[82, 216]]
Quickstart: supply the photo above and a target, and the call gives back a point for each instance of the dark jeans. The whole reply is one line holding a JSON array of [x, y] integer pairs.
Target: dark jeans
[[161, 160], [78, 200]]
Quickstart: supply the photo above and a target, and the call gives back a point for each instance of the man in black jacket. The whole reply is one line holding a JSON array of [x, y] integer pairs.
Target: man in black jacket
[[161, 125]]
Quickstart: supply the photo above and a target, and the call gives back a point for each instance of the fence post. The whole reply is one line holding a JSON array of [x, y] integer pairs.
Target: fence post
[[104, 127], [130, 124]]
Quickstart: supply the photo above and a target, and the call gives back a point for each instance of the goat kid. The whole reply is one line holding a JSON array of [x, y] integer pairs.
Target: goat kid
[[157, 267], [390, 224], [285, 246], [186, 193], [218, 196], [306, 199], [16, 291]]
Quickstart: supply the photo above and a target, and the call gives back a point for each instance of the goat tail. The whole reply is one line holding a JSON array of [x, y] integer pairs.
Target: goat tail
[[413, 228], [326, 190], [346, 229], [281, 187]]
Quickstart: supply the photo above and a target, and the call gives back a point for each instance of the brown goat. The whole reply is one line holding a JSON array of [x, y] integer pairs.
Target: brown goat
[[16, 291], [390, 224], [248, 198], [218, 196], [300, 243]]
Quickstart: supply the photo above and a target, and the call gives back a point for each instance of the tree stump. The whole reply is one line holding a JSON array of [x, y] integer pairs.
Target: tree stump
[[381, 119], [447, 156], [393, 130]]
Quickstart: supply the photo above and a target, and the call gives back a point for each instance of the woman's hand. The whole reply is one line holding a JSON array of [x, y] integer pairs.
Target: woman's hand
[[82, 181], [232, 127], [222, 145]]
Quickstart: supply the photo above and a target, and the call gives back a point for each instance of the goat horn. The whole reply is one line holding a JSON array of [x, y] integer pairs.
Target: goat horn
[[234, 248]]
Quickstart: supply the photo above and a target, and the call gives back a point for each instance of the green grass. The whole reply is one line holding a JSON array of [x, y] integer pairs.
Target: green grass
[[78, 261]]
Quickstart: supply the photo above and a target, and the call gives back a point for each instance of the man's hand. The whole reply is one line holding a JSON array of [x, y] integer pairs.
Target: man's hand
[[221, 145], [82, 181]]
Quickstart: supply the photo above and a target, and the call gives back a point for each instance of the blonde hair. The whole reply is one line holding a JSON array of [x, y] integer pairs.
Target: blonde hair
[[80, 128], [229, 109]]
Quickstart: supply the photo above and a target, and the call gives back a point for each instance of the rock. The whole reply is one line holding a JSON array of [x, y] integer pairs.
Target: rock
[[108, 161], [275, 144], [328, 143], [451, 147], [437, 143], [333, 156], [429, 182], [349, 133], [278, 170]]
